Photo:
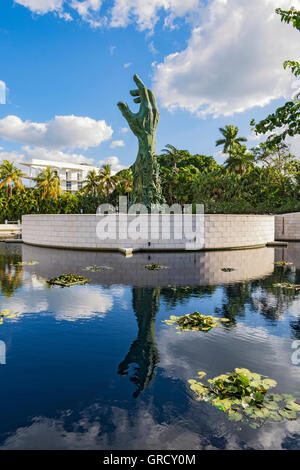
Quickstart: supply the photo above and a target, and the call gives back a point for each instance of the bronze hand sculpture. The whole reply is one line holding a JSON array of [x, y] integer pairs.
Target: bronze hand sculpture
[[146, 180]]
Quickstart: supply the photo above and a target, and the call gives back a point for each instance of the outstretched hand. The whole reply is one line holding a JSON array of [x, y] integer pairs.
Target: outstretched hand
[[146, 119]]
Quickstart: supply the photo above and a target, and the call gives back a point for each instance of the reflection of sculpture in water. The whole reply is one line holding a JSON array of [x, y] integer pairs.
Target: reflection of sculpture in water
[[143, 351]]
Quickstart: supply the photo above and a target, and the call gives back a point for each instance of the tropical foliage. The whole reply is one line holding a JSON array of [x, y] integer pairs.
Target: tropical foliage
[[231, 139], [47, 182], [285, 121], [10, 177]]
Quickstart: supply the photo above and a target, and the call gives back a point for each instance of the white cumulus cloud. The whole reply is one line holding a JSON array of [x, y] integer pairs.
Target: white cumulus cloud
[[117, 143], [2, 92], [146, 13], [27, 153], [114, 162], [59, 133], [233, 61], [42, 6], [124, 130]]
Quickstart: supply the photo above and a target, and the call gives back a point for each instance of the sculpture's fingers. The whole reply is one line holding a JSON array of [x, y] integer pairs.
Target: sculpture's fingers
[[123, 107], [153, 101], [138, 100], [139, 83], [135, 92]]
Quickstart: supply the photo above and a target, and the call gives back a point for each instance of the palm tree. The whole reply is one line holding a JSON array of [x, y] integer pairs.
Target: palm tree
[[91, 184], [230, 138], [125, 181], [173, 155], [107, 181], [239, 160], [10, 176], [49, 184]]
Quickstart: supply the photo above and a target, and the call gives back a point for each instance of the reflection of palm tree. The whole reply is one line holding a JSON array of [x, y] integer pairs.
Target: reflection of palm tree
[[233, 305], [11, 275], [143, 351], [174, 295]]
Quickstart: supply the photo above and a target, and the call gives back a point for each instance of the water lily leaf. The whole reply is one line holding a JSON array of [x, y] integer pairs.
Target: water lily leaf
[[277, 397], [201, 374], [288, 414], [293, 406], [246, 401], [254, 425], [287, 397], [235, 415], [261, 413], [223, 405], [269, 383], [96, 269], [245, 372], [271, 405], [275, 417]]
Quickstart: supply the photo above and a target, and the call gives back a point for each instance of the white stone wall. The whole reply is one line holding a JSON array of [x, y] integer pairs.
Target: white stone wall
[[210, 231], [287, 226]]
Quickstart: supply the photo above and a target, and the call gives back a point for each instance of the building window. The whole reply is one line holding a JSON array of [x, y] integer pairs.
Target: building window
[[79, 185], [79, 176], [68, 185]]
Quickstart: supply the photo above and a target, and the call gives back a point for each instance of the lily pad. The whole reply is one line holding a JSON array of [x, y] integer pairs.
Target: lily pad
[[96, 269], [288, 414], [195, 322], [67, 280], [244, 396], [155, 267], [286, 285]]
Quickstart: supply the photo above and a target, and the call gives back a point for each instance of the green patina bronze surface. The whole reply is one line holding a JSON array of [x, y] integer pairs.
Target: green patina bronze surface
[[146, 181]]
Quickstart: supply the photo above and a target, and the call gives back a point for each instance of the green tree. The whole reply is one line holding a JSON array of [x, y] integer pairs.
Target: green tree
[[231, 138], [285, 121], [125, 181], [107, 181], [239, 160], [10, 177], [173, 156], [48, 183], [91, 183]]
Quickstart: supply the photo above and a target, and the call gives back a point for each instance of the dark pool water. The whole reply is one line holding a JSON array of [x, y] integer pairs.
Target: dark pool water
[[94, 367]]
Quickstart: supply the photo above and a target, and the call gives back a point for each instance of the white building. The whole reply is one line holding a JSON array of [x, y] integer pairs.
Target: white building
[[71, 175]]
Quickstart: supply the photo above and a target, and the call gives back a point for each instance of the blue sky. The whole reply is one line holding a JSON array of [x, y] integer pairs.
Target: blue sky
[[210, 63]]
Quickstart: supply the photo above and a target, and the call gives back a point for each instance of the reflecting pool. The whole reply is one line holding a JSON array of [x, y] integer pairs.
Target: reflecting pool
[[93, 366]]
